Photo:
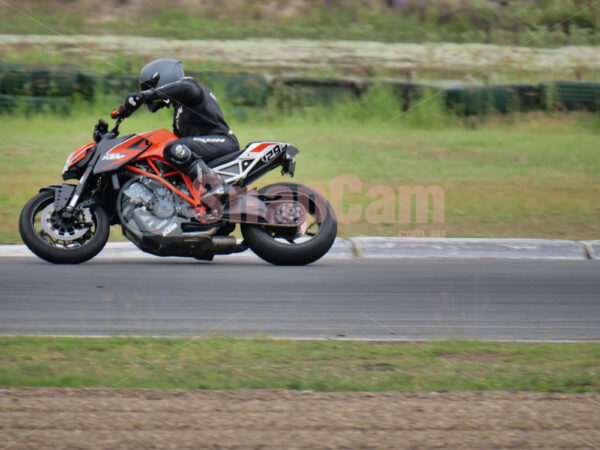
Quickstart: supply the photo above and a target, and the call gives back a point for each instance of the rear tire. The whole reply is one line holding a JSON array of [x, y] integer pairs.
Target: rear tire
[[43, 247], [262, 243]]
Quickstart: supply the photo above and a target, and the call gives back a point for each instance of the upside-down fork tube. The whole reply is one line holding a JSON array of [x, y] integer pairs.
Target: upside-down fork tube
[[79, 189]]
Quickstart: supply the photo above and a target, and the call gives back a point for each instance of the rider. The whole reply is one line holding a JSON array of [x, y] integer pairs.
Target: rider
[[197, 118]]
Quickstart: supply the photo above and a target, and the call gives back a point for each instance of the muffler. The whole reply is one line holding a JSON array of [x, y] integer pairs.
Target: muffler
[[224, 245]]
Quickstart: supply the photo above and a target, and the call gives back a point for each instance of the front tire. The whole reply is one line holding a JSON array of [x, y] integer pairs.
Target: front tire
[[282, 249], [72, 243]]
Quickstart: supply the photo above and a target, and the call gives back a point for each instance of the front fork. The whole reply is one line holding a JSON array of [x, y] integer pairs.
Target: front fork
[[68, 212], [83, 181]]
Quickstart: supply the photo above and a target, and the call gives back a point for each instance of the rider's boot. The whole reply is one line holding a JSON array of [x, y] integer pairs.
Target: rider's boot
[[211, 188]]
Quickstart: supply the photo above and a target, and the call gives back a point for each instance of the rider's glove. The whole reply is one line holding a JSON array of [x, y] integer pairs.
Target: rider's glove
[[132, 103]]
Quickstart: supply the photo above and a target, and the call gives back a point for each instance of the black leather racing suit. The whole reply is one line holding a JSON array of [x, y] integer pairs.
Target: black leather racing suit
[[198, 122]]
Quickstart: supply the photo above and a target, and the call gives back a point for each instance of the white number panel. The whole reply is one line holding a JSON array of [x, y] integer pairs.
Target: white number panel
[[256, 153]]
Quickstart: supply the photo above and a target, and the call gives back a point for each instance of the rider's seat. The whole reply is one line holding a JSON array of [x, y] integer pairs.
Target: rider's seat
[[225, 158], [231, 156]]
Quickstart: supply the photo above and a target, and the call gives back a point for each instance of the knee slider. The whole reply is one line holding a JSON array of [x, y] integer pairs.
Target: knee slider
[[178, 153]]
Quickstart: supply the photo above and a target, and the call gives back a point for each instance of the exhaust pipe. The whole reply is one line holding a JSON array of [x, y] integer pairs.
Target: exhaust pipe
[[225, 245]]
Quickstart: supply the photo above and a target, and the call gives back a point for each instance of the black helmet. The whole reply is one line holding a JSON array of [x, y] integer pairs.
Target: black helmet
[[158, 73]]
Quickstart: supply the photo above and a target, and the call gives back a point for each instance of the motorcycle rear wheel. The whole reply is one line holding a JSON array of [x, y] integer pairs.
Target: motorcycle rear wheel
[[305, 247], [58, 242]]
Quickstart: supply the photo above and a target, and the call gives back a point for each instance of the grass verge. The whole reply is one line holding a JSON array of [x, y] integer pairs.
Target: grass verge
[[549, 22], [520, 175], [227, 363]]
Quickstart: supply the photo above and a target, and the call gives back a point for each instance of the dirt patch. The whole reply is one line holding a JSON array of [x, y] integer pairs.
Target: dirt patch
[[312, 57], [153, 418]]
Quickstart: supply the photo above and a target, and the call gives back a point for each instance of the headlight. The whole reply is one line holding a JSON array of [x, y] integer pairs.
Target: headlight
[[68, 162]]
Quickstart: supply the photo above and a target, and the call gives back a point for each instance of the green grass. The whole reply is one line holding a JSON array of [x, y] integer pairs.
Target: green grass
[[520, 175], [228, 363], [516, 22]]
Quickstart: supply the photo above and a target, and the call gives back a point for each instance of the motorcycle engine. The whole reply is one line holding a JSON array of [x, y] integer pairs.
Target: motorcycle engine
[[146, 207]]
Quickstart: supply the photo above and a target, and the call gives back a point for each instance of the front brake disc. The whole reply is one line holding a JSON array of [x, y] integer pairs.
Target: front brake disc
[[59, 229]]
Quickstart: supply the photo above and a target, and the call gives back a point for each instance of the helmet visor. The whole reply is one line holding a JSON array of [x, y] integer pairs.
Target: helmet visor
[[151, 83]]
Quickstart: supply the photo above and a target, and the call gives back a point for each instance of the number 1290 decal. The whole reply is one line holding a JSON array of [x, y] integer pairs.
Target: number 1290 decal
[[272, 153]]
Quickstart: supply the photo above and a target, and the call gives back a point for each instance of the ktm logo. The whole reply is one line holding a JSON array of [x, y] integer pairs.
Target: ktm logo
[[112, 156], [169, 229]]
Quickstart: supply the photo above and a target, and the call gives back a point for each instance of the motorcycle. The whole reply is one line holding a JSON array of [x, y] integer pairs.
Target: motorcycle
[[124, 180]]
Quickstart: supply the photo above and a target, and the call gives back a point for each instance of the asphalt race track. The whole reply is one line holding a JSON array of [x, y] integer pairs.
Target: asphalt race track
[[362, 298]]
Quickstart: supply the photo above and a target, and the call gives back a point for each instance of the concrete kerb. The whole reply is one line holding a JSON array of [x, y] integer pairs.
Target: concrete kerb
[[592, 248], [400, 247], [342, 248], [397, 247]]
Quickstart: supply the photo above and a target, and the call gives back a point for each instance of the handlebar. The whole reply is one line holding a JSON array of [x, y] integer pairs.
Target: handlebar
[[117, 114], [115, 130], [101, 128]]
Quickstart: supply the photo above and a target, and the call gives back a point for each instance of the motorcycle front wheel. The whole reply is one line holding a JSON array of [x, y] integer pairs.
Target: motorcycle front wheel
[[293, 246], [58, 240]]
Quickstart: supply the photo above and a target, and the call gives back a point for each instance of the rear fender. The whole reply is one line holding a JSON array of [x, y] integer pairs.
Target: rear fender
[[288, 160]]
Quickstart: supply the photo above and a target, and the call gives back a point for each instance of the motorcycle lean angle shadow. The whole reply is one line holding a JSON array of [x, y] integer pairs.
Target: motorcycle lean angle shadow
[[126, 181]]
